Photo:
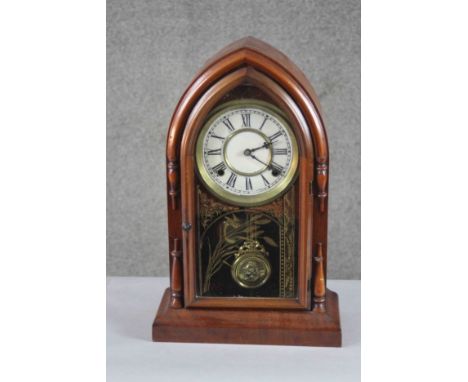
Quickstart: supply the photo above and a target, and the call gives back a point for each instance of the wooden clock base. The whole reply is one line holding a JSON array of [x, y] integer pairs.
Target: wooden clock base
[[264, 327]]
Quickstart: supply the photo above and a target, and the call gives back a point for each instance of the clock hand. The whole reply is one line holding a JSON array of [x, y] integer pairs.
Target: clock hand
[[275, 171], [247, 152], [262, 162], [264, 146]]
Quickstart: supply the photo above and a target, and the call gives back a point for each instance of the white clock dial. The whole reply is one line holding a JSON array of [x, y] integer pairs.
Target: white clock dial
[[247, 151]]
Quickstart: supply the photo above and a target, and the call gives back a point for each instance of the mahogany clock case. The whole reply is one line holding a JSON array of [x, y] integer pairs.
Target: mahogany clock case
[[293, 306]]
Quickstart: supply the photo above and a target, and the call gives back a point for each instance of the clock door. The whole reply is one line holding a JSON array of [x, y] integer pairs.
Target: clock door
[[246, 197], [246, 227]]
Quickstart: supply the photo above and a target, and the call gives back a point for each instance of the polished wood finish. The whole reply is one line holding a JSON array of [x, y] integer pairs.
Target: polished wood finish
[[264, 327], [313, 318]]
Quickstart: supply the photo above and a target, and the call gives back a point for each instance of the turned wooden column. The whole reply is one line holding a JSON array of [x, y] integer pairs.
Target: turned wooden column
[[319, 280], [173, 182], [322, 179], [176, 275]]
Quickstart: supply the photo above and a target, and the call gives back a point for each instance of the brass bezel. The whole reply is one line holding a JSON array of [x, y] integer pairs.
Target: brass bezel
[[246, 200]]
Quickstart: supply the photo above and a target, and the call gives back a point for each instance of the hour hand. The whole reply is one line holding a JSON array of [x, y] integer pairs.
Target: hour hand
[[247, 152], [264, 146]]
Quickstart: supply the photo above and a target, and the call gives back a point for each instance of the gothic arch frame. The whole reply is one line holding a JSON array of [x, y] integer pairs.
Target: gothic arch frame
[[253, 60]]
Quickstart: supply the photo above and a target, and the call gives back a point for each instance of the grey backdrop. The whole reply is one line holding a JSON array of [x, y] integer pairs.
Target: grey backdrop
[[153, 50]]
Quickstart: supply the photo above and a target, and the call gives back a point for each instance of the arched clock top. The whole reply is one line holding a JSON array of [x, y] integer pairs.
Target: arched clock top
[[251, 52], [234, 79]]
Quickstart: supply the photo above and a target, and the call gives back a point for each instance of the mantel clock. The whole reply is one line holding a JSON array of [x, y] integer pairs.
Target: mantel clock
[[247, 187]]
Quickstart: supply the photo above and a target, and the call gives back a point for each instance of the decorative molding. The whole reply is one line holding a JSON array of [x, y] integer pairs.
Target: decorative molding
[[176, 279]]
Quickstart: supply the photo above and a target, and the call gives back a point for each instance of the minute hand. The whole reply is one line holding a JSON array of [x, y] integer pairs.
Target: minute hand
[[262, 162]]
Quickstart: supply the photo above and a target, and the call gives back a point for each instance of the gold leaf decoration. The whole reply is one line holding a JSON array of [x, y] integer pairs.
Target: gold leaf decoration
[[270, 241], [233, 233]]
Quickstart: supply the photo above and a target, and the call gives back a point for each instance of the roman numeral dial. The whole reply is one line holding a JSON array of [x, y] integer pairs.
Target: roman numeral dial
[[248, 183], [228, 124], [246, 119], [246, 153], [232, 180]]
